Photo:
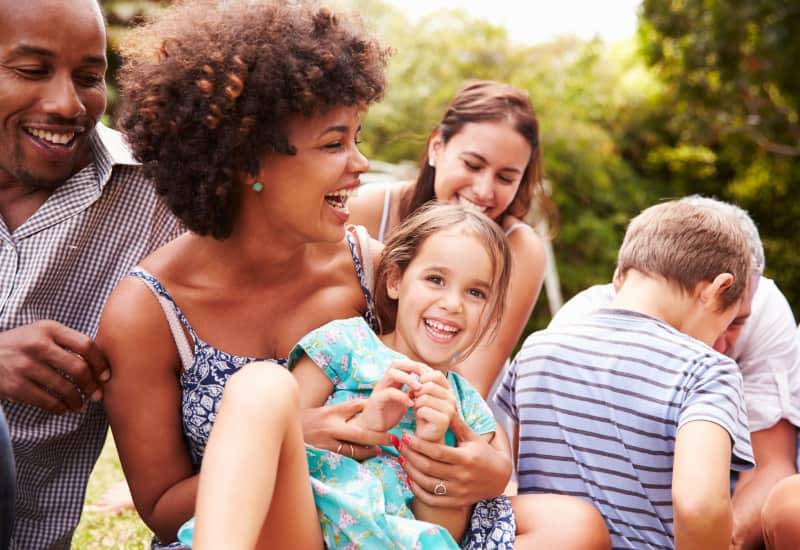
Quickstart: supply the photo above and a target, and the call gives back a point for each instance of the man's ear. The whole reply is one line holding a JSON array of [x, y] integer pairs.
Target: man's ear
[[711, 294], [393, 283]]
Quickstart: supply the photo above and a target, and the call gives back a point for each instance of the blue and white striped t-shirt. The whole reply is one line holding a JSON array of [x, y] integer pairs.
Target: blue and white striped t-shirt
[[598, 404]]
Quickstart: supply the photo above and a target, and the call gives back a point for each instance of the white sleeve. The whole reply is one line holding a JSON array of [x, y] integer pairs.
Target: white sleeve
[[582, 304], [768, 355]]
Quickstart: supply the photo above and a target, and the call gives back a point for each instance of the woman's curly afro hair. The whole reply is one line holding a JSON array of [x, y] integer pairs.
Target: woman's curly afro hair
[[208, 86]]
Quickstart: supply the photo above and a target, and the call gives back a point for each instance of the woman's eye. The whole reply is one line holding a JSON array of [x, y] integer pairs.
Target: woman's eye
[[435, 279], [472, 166], [334, 145], [505, 179]]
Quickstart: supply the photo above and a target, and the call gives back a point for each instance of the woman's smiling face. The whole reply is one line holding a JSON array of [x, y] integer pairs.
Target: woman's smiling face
[[308, 191], [481, 167]]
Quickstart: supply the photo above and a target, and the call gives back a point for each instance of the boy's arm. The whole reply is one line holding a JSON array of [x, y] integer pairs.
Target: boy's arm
[[701, 487]]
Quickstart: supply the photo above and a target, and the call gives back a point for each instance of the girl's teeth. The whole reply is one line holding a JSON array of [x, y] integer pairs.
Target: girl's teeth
[[439, 326]]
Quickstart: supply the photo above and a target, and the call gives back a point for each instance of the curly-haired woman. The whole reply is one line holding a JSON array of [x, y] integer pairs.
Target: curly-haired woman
[[247, 114]]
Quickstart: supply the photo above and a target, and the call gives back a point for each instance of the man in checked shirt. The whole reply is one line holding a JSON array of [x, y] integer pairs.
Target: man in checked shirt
[[75, 215]]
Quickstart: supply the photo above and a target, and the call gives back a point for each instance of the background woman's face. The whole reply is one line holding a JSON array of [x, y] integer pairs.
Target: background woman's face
[[480, 167]]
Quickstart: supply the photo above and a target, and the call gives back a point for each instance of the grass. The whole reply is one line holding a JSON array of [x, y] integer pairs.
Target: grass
[[101, 530]]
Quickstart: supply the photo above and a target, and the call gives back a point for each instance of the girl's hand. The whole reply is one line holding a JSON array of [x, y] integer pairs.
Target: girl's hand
[[434, 406], [388, 402], [472, 471]]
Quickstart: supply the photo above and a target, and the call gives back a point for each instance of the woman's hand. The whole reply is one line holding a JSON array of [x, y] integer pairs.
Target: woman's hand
[[434, 406], [472, 471], [328, 428]]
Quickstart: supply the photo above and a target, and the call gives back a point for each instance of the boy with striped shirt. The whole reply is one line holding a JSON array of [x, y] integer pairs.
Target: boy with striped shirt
[[630, 408]]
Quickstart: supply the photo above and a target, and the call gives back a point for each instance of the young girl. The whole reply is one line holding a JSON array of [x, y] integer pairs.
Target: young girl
[[440, 285]]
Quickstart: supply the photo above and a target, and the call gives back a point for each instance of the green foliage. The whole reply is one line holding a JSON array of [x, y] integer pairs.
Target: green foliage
[[732, 129], [102, 530]]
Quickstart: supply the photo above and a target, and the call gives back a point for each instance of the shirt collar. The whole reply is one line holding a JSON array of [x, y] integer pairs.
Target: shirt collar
[[108, 150]]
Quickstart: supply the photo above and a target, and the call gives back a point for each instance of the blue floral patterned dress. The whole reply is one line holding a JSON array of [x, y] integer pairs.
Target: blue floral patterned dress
[[367, 504]]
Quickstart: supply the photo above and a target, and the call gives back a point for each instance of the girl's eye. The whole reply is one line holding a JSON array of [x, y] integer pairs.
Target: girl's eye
[[334, 145], [435, 279], [477, 293]]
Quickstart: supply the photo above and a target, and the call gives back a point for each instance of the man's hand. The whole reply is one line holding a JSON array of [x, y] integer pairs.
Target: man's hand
[[51, 366]]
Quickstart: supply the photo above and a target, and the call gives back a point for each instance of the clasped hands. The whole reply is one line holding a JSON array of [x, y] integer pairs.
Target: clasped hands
[[409, 384]]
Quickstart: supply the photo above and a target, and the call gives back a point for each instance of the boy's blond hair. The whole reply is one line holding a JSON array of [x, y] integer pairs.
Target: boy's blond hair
[[687, 244]]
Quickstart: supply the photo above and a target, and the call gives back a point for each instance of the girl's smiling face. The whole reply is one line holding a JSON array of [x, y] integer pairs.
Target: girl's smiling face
[[442, 298]]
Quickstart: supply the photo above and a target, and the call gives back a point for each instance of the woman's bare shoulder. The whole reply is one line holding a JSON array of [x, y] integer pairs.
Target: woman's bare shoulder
[[367, 207]]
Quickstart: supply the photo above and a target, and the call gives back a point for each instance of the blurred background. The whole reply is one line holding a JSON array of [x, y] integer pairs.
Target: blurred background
[[638, 101]]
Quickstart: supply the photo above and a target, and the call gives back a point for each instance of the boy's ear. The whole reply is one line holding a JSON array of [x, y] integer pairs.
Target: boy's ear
[[393, 283], [711, 294]]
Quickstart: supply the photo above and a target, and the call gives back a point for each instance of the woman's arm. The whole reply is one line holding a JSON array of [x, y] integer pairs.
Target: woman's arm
[[473, 470], [483, 365], [142, 401]]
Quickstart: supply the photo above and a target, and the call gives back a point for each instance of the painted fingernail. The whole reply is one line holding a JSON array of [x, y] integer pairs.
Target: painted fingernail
[[395, 441], [97, 395], [105, 375], [401, 460], [406, 440]]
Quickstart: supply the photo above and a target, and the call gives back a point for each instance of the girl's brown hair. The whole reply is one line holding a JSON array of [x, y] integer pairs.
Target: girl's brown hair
[[404, 243]]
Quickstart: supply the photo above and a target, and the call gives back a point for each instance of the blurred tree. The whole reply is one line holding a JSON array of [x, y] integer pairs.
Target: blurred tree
[[121, 14], [731, 127]]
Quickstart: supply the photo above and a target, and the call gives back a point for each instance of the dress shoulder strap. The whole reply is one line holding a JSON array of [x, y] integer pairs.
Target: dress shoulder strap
[[387, 203], [177, 321], [358, 238], [515, 226]]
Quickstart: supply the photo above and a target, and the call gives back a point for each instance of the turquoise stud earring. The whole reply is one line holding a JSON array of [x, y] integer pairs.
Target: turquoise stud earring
[[258, 186]]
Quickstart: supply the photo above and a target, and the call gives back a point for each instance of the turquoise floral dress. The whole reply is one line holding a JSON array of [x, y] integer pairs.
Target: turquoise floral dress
[[367, 504]]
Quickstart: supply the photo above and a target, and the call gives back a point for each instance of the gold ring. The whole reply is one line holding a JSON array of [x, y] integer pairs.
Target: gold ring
[[440, 489], [352, 451], [339, 449]]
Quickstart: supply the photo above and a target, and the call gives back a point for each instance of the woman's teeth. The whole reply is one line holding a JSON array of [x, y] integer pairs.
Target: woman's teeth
[[466, 203], [339, 198]]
